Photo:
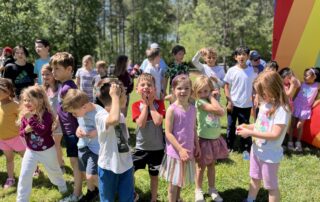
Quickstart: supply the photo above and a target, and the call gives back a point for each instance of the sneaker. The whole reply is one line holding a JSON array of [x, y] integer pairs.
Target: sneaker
[[9, 183], [246, 155], [290, 146], [71, 198], [298, 147], [90, 196], [136, 197], [37, 172], [215, 195], [198, 195]]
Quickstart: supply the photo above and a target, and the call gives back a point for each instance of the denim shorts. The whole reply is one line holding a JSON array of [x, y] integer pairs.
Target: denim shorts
[[88, 161]]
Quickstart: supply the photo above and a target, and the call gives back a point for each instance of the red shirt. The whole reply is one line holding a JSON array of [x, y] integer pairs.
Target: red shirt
[[137, 108]]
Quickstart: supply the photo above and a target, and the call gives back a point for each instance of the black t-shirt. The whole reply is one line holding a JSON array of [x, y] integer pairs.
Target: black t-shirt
[[21, 76], [8, 60]]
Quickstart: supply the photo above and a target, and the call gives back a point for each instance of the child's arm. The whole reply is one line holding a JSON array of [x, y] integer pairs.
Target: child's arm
[[142, 119], [196, 62], [274, 134], [214, 107], [183, 153], [156, 116], [227, 93], [197, 151], [92, 134], [41, 128], [22, 127], [114, 114], [294, 85]]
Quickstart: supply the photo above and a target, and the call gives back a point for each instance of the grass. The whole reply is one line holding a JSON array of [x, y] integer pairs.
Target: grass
[[299, 177]]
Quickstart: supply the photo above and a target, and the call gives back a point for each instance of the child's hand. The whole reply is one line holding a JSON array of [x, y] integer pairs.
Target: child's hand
[[183, 153], [243, 130], [294, 82], [92, 134], [299, 124], [28, 129], [215, 93], [229, 107], [197, 152], [80, 133], [203, 51], [114, 90]]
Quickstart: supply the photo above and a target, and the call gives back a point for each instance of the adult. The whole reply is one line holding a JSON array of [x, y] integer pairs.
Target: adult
[[255, 61], [20, 72]]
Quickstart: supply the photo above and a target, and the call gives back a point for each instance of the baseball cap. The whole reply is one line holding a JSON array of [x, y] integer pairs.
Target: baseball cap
[[154, 45], [7, 49], [254, 55]]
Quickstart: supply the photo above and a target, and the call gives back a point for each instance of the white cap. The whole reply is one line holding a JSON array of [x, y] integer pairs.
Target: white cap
[[154, 45]]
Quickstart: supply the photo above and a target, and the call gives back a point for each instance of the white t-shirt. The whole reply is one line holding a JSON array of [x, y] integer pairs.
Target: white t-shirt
[[241, 85], [270, 151], [110, 156], [156, 73]]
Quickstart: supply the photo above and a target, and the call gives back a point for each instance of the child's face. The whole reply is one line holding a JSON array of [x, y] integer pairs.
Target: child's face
[[210, 59], [146, 87], [30, 104], [309, 77], [41, 50], [241, 59], [47, 77], [87, 63], [101, 70], [287, 79], [3, 95], [204, 92], [61, 73], [182, 91], [20, 55], [79, 112], [179, 56], [157, 59]]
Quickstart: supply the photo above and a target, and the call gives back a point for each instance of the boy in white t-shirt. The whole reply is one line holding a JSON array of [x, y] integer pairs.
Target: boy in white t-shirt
[[115, 167], [238, 90]]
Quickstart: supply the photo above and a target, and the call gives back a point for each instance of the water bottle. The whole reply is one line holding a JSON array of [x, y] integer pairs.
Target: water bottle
[[246, 155]]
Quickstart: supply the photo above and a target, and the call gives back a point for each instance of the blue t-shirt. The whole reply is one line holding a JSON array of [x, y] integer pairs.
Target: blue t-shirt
[[87, 123], [38, 66]]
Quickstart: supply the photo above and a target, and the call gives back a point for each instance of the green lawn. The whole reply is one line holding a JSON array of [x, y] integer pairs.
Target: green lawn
[[299, 177]]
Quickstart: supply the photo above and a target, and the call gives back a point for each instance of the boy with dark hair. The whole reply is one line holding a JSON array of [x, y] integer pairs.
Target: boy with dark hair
[[238, 90], [62, 68], [148, 113], [115, 169], [42, 47]]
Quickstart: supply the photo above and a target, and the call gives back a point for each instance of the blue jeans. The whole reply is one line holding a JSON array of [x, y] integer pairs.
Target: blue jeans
[[243, 116], [111, 183]]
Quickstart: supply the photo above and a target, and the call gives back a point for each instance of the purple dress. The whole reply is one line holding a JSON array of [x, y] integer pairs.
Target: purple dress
[[304, 100], [183, 130]]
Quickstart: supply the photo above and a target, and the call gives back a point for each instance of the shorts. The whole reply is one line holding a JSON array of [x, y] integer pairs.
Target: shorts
[[268, 172], [211, 150], [17, 144], [71, 145], [88, 161], [153, 159]]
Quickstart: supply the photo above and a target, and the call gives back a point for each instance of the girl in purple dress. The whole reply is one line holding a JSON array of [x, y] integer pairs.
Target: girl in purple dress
[[303, 104], [182, 147]]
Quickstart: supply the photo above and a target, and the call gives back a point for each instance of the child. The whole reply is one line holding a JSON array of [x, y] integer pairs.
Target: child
[[238, 91], [210, 69], [303, 104], [10, 140], [212, 144], [35, 120], [268, 133], [182, 146], [148, 113], [52, 87], [123, 75], [115, 169], [86, 75], [272, 66], [77, 102], [20, 72], [152, 68], [62, 64], [102, 69], [42, 47]]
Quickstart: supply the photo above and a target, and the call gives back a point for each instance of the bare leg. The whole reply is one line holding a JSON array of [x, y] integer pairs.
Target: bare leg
[[57, 141], [300, 129], [292, 127], [211, 172], [154, 187], [92, 182], [10, 162], [274, 195], [77, 176], [254, 188], [172, 193], [199, 176]]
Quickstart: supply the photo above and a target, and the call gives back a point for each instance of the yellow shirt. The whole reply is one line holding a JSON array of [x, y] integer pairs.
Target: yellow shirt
[[8, 117]]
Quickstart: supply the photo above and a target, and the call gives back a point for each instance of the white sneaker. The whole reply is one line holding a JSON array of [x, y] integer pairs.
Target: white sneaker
[[71, 198], [298, 146], [63, 189], [215, 195], [198, 195]]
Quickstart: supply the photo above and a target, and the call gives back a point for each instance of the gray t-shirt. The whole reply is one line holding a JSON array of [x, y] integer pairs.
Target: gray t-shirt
[[87, 81], [87, 123]]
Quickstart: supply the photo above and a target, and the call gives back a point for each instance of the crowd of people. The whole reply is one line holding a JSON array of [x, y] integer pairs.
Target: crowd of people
[[42, 103]]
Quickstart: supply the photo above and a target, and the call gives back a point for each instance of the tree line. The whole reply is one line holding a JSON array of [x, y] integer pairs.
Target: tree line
[[107, 28]]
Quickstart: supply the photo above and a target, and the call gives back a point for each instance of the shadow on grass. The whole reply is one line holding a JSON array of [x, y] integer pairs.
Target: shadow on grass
[[144, 196]]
